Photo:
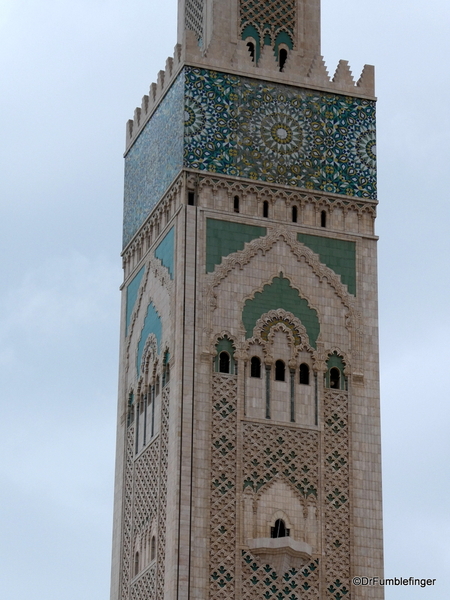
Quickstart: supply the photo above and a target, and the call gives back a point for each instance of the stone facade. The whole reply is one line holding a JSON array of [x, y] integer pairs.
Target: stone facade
[[249, 384]]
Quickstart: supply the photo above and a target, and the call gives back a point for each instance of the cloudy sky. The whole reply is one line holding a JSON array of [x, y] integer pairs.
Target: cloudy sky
[[72, 72]]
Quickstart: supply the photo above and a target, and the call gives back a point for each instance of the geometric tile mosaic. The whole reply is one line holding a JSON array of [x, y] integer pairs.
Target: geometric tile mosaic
[[280, 134], [153, 161], [247, 128]]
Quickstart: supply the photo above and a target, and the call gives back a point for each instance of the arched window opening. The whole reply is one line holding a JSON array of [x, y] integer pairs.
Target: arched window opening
[[304, 374], [323, 218], [255, 367], [251, 49], [335, 378], [224, 362], [282, 57], [294, 214], [236, 204], [280, 370], [136, 564], [153, 549], [279, 530], [266, 209]]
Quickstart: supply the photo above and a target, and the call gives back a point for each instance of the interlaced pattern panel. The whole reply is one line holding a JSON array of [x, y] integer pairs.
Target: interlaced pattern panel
[[162, 513], [223, 488], [269, 16], [127, 514], [337, 492], [261, 582], [146, 486], [194, 17], [272, 452], [144, 587], [269, 453], [145, 500]]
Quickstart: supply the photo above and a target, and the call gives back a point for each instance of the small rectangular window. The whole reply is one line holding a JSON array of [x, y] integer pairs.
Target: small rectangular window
[[191, 198]]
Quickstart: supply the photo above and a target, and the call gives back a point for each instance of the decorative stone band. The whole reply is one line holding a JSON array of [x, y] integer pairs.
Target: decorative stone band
[[282, 553]]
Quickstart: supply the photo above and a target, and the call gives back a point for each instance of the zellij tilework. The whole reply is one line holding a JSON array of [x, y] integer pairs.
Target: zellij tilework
[[248, 128], [279, 134]]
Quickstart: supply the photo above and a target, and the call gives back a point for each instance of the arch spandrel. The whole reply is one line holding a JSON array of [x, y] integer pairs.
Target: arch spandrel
[[256, 266]]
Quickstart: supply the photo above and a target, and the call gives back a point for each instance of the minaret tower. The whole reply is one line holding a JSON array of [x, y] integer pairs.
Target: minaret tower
[[248, 446]]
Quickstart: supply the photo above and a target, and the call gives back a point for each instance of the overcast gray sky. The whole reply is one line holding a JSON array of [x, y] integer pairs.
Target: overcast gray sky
[[72, 72]]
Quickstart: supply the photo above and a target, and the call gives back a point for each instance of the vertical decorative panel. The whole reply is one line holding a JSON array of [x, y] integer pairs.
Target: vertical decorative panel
[[162, 512], [194, 17], [337, 495], [223, 488], [127, 514]]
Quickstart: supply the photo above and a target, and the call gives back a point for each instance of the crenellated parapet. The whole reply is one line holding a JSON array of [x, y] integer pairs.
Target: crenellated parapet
[[156, 92], [299, 70]]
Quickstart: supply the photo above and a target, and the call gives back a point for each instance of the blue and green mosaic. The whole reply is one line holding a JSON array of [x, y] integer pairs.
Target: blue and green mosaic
[[247, 128], [270, 132], [153, 161]]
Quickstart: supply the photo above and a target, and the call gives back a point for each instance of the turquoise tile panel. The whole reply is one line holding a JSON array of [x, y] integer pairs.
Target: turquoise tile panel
[[338, 255], [280, 294], [154, 160], [152, 324], [225, 237], [132, 293], [165, 251]]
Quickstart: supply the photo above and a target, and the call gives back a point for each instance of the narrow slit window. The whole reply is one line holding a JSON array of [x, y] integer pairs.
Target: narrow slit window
[[282, 58], [251, 49], [136, 564], [224, 362], [255, 367], [294, 214], [323, 218], [266, 209], [280, 371], [304, 374], [191, 198], [153, 549], [236, 204], [157, 386]]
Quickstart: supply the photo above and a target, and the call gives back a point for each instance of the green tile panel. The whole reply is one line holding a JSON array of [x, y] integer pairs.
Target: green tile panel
[[338, 255], [165, 251], [280, 294], [132, 294], [225, 237]]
